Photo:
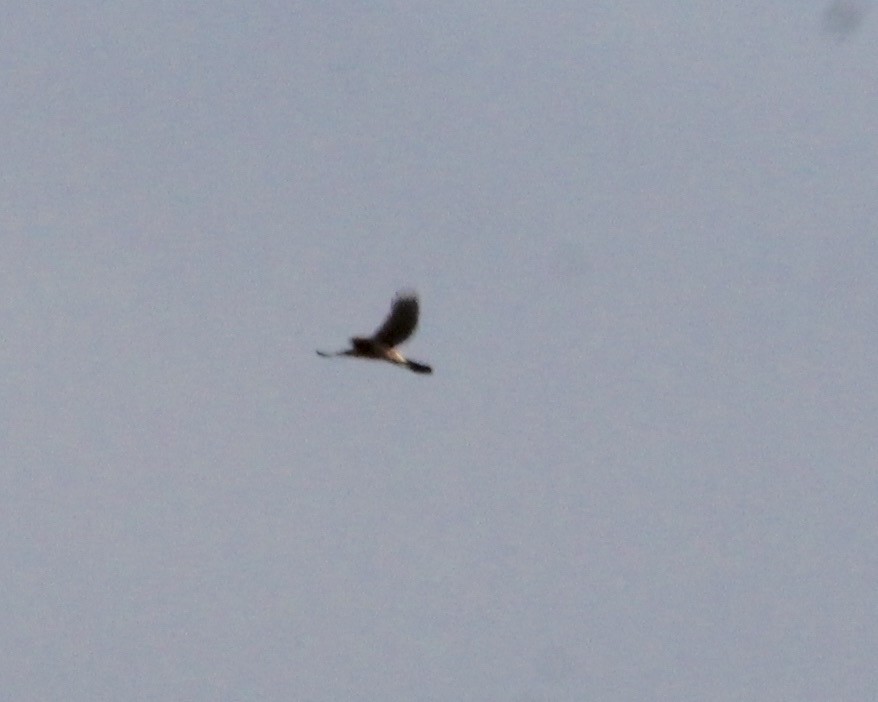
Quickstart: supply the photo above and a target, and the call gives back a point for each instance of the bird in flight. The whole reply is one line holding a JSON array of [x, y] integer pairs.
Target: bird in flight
[[399, 326]]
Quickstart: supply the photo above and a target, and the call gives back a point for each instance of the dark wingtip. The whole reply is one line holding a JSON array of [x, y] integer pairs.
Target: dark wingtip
[[419, 367], [406, 294]]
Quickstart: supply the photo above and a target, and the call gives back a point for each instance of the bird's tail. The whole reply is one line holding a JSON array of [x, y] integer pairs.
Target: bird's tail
[[418, 367]]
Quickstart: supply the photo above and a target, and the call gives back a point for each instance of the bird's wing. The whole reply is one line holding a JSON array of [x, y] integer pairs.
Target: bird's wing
[[401, 322]]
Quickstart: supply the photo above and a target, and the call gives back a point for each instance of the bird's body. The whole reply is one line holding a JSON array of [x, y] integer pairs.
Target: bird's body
[[399, 326]]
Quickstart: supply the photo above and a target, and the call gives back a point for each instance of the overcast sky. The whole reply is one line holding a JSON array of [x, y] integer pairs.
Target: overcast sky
[[645, 235]]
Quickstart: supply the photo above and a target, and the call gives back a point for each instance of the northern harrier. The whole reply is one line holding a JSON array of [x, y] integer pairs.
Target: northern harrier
[[399, 326]]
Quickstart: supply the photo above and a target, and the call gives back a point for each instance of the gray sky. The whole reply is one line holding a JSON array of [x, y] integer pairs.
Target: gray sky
[[645, 239]]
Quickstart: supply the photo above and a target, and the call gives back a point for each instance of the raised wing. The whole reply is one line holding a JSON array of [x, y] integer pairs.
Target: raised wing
[[401, 322]]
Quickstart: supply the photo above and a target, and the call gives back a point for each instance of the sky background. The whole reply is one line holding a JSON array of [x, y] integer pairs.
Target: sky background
[[645, 237]]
